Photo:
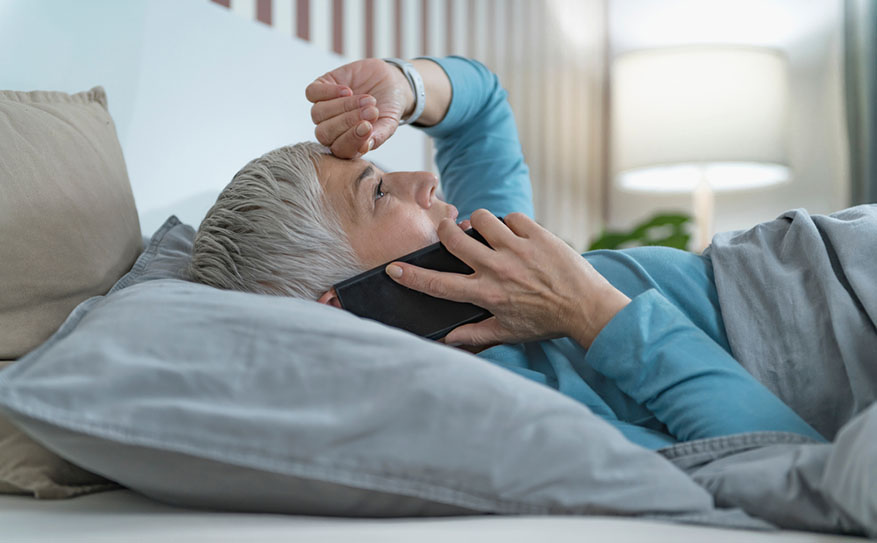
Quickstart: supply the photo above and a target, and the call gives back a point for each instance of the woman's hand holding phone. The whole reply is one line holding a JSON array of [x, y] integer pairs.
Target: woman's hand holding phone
[[536, 286]]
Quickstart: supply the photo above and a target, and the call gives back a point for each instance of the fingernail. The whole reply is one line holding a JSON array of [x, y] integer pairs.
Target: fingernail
[[394, 271], [363, 128], [371, 144], [367, 101], [345, 92], [369, 113]]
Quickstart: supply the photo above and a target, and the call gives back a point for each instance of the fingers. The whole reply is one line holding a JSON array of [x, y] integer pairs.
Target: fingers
[[327, 109], [492, 229], [461, 245], [385, 127], [522, 225], [486, 332], [351, 144], [325, 90], [449, 286], [347, 134]]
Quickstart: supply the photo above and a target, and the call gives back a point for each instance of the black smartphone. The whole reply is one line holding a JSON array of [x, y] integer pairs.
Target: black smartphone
[[374, 295]]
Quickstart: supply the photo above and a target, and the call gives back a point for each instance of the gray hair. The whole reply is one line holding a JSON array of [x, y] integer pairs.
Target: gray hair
[[272, 231]]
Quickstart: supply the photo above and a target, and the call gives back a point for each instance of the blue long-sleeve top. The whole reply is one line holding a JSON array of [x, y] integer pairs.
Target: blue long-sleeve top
[[661, 370]]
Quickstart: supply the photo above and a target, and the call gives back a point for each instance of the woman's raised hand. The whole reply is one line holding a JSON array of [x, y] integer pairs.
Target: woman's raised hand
[[357, 107], [536, 286]]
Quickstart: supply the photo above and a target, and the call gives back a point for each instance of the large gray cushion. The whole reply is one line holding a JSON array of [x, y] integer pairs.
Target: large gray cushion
[[238, 401]]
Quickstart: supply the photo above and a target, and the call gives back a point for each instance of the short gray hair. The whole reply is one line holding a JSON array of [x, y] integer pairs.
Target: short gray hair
[[273, 231]]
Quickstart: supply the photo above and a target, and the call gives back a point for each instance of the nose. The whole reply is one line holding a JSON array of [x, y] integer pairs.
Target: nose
[[418, 186]]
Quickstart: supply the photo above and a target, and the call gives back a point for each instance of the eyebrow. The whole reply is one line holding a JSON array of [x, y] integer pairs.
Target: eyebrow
[[354, 188]]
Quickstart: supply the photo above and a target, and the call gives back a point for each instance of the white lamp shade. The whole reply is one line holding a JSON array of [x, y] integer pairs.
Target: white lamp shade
[[680, 115]]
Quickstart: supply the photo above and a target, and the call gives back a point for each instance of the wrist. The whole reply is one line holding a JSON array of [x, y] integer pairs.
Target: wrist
[[438, 91], [596, 316], [416, 91], [408, 98]]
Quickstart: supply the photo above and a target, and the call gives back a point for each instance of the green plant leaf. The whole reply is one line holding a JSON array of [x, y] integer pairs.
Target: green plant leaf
[[664, 229]]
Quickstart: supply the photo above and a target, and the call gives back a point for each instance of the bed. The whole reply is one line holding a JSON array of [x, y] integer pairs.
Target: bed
[[124, 516], [233, 469]]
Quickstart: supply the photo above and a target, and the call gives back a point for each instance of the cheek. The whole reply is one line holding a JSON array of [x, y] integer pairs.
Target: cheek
[[410, 236], [404, 234]]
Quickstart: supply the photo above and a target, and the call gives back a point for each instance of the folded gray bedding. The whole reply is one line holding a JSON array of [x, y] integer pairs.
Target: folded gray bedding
[[799, 302]]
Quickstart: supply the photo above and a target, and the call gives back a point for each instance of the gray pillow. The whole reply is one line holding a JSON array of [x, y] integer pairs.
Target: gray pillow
[[166, 255], [237, 401]]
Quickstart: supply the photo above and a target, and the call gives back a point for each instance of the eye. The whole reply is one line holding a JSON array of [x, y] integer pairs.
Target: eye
[[379, 193]]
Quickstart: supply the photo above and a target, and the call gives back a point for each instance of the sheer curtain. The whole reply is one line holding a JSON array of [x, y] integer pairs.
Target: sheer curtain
[[551, 58], [860, 78]]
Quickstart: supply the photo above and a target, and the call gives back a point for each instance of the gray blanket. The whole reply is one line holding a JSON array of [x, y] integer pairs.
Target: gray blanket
[[799, 301]]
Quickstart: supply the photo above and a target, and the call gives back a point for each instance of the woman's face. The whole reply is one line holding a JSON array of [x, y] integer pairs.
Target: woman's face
[[385, 215]]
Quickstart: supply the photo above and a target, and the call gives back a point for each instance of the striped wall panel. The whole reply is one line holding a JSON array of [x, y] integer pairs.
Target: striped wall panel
[[556, 85]]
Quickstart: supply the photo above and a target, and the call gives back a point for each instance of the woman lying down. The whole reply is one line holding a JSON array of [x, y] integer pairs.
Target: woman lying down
[[646, 338]]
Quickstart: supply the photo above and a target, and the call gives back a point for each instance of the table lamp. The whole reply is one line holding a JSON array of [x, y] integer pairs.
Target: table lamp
[[699, 119]]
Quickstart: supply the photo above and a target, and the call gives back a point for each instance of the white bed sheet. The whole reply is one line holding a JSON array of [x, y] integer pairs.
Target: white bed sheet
[[125, 517]]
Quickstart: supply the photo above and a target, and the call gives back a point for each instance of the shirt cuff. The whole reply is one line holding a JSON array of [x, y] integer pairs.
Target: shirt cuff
[[621, 347], [465, 79]]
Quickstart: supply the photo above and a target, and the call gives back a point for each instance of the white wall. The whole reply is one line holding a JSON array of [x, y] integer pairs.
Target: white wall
[[195, 91], [810, 34]]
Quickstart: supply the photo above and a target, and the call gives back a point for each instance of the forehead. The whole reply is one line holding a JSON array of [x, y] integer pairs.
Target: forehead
[[334, 171], [337, 177]]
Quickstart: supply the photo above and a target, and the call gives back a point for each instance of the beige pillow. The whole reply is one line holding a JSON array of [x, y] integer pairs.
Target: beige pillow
[[68, 225], [68, 231]]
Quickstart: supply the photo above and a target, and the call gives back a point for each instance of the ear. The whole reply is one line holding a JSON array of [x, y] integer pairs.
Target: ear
[[330, 298]]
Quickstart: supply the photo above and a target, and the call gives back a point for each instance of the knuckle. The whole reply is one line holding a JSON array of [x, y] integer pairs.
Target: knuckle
[[338, 148], [352, 103], [527, 253], [321, 133], [516, 217], [453, 243], [351, 119], [506, 274], [494, 298], [434, 286]]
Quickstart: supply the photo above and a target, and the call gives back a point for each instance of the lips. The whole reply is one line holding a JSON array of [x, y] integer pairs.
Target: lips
[[453, 213]]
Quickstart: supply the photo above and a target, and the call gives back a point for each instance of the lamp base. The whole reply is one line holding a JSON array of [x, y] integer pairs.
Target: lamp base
[[703, 205]]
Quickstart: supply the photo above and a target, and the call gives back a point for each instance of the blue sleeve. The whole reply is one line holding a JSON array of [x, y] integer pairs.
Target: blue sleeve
[[662, 360], [478, 154]]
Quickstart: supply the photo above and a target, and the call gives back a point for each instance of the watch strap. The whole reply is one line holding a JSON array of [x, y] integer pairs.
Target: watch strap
[[417, 87]]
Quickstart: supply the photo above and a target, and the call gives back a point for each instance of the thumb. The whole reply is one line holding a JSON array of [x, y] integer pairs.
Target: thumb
[[384, 127], [486, 332]]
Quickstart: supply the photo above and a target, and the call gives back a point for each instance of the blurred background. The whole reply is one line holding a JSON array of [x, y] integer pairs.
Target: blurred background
[[585, 78], [643, 121]]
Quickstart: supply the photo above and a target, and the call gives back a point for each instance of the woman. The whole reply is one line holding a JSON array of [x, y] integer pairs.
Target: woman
[[637, 335]]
